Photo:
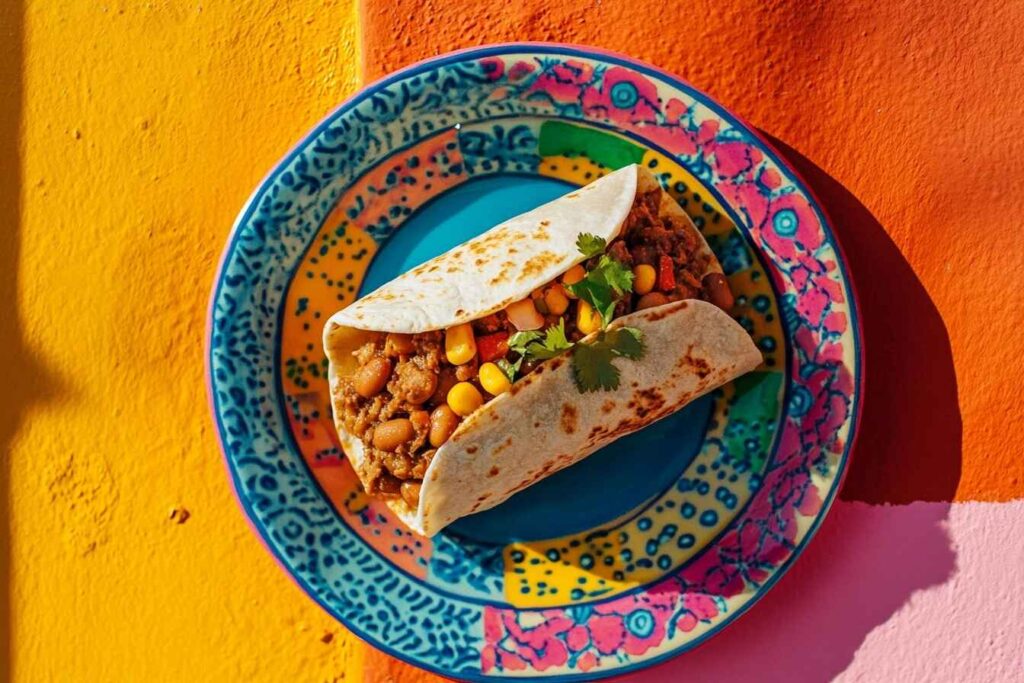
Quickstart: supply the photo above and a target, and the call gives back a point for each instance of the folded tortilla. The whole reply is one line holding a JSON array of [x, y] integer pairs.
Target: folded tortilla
[[543, 424]]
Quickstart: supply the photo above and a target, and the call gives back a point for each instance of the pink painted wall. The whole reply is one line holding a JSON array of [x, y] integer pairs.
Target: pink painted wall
[[918, 592]]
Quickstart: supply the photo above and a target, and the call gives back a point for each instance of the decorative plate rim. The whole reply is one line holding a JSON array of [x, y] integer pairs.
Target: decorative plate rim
[[584, 51]]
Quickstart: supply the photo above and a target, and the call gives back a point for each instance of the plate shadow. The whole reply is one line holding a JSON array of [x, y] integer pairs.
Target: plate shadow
[[908, 446]]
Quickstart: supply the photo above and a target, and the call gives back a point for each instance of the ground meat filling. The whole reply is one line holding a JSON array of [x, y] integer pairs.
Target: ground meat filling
[[675, 251], [398, 401]]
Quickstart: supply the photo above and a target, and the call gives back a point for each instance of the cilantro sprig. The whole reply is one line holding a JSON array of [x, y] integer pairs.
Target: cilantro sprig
[[604, 284], [593, 366], [590, 245]]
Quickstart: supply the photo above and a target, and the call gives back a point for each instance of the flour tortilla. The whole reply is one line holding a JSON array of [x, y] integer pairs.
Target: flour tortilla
[[693, 347]]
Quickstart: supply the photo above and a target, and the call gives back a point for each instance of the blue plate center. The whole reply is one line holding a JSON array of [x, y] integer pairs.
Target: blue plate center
[[609, 484]]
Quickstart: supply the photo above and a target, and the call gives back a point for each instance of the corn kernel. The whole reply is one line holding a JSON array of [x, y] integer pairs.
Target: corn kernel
[[587, 319], [459, 344], [464, 398], [493, 380], [556, 300], [643, 278], [574, 275]]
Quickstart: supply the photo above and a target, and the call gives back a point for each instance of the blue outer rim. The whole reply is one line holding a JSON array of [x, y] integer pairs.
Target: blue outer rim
[[621, 60]]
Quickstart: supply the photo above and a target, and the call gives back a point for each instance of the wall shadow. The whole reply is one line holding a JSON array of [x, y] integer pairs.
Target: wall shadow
[[909, 444], [25, 380]]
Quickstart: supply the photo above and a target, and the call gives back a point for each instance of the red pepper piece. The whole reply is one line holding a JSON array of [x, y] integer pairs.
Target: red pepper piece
[[492, 346], [666, 274]]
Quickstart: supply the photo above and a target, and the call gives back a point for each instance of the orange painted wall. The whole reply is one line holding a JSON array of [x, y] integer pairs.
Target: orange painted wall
[[907, 118]]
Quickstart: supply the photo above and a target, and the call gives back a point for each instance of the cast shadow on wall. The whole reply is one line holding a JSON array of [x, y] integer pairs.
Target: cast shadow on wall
[[25, 381]]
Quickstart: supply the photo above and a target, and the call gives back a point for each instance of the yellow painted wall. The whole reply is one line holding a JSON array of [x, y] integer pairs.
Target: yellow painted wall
[[144, 126]]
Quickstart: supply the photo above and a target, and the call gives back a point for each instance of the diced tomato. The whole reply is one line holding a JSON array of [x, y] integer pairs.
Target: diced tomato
[[492, 346], [666, 274]]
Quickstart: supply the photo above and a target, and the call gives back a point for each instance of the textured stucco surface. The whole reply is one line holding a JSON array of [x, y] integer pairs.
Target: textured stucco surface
[[132, 133], [144, 127]]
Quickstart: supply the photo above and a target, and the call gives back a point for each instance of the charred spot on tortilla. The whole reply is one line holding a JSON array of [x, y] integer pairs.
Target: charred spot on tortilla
[[493, 472], [556, 363], [569, 415], [472, 449], [538, 264], [502, 446], [607, 406], [646, 401], [662, 312], [697, 365]]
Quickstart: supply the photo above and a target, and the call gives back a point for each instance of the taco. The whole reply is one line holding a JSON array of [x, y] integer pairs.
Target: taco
[[522, 351]]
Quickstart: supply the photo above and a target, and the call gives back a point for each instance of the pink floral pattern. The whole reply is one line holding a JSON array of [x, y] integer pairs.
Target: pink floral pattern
[[587, 636]]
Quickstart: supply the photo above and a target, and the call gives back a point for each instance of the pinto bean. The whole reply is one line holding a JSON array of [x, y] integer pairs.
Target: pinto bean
[[398, 344], [372, 377], [388, 436], [443, 422], [651, 300], [716, 288]]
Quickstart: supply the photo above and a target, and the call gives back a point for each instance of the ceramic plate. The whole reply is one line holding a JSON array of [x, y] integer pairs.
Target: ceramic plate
[[636, 554]]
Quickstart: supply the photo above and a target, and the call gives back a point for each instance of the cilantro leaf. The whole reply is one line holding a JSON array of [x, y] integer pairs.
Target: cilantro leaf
[[520, 340], [596, 292], [509, 369], [535, 345], [593, 368], [627, 342], [618, 276], [604, 285], [590, 245], [555, 342]]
